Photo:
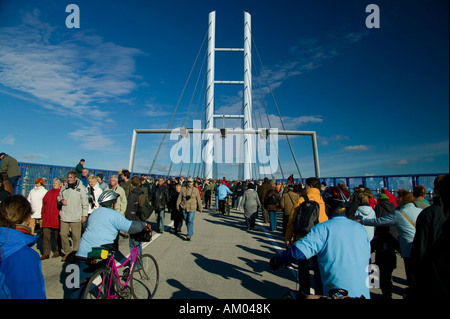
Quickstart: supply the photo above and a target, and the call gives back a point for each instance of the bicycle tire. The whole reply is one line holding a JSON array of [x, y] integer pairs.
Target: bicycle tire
[[144, 278], [97, 287]]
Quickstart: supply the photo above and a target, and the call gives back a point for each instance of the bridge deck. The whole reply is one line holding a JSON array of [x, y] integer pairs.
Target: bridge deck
[[223, 261]]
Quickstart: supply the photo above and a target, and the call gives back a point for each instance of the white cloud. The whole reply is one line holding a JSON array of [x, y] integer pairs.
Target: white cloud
[[73, 76], [8, 140], [92, 139], [357, 148]]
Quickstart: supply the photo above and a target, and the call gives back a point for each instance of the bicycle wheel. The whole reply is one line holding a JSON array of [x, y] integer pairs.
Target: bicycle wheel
[[227, 209], [98, 286], [144, 277]]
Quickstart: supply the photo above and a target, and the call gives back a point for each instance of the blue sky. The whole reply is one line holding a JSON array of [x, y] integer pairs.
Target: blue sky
[[377, 98]]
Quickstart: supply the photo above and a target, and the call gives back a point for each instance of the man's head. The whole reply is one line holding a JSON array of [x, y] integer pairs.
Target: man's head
[[312, 182], [135, 181], [71, 177], [85, 172], [113, 180], [125, 174]]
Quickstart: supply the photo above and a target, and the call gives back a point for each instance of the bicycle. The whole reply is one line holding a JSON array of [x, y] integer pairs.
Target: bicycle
[[227, 205], [139, 283]]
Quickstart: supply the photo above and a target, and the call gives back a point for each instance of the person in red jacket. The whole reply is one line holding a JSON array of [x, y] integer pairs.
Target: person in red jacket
[[50, 220]]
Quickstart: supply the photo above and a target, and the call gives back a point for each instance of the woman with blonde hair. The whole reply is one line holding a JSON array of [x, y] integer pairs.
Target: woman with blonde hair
[[20, 265]]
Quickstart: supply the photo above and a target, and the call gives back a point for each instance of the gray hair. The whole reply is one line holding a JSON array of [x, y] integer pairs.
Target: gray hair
[[57, 180]]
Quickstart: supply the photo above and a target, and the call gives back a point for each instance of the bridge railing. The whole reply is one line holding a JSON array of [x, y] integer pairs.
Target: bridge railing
[[30, 172], [376, 183]]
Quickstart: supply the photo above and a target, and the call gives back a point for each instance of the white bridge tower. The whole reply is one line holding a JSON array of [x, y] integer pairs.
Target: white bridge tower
[[247, 95]]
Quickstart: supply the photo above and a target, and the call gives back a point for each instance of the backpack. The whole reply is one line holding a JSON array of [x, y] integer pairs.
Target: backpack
[[272, 199], [307, 216], [144, 209]]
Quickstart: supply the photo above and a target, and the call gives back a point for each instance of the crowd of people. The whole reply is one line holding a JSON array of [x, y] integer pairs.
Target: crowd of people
[[348, 227]]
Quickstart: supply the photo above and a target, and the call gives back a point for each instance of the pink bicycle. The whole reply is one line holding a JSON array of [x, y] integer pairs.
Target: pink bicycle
[[139, 283]]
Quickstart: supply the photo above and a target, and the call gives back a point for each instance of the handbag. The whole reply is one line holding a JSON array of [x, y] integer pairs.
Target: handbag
[[407, 218], [143, 236]]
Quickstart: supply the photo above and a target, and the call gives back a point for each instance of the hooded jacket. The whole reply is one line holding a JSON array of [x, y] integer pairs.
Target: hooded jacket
[[366, 211], [20, 266], [35, 198], [313, 195]]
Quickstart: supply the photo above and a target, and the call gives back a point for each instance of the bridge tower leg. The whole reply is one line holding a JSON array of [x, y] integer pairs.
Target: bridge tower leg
[[248, 156]]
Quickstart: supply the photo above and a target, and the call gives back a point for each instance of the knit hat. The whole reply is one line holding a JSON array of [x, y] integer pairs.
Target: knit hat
[[383, 196]]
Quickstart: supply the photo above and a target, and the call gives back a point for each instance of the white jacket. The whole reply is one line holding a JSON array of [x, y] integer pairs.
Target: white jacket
[[97, 192], [366, 212], [35, 198]]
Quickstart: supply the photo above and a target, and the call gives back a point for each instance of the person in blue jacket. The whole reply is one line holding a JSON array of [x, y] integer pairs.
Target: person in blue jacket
[[20, 266], [222, 191], [342, 248], [102, 229]]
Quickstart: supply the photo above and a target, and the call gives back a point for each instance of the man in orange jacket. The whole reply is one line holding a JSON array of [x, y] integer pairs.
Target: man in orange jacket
[[312, 186]]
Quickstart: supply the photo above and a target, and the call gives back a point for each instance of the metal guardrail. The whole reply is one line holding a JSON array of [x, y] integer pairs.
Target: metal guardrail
[[32, 171]]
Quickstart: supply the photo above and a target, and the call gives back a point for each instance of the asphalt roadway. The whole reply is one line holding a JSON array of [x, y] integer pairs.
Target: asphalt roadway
[[222, 261]]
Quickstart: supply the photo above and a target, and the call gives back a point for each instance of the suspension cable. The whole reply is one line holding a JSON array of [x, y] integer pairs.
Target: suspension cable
[[279, 115], [178, 103]]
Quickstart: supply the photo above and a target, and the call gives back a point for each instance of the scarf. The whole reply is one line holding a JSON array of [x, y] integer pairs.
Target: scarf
[[24, 229]]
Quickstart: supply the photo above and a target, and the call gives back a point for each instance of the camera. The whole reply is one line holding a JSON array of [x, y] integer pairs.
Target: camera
[[188, 197]]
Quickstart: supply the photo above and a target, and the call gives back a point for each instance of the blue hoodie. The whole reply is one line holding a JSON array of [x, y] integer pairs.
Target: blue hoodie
[[20, 266], [365, 211], [223, 190]]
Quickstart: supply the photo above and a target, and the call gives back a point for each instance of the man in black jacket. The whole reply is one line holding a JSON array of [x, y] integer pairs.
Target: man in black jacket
[[160, 199], [428, 227]]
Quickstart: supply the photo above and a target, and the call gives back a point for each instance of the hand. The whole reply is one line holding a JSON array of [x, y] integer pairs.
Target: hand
[[83, 219], [64, 202]]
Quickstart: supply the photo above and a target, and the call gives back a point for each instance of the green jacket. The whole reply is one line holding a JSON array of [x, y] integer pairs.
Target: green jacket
[[10, 166]]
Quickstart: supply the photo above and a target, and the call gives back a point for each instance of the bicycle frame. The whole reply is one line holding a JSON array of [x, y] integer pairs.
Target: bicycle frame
[[114, 271]]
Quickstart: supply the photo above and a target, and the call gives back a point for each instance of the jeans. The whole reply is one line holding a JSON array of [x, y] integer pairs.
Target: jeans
[[189, 219], [138, 244], [160, 218], [13, 181], [273, 219]]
